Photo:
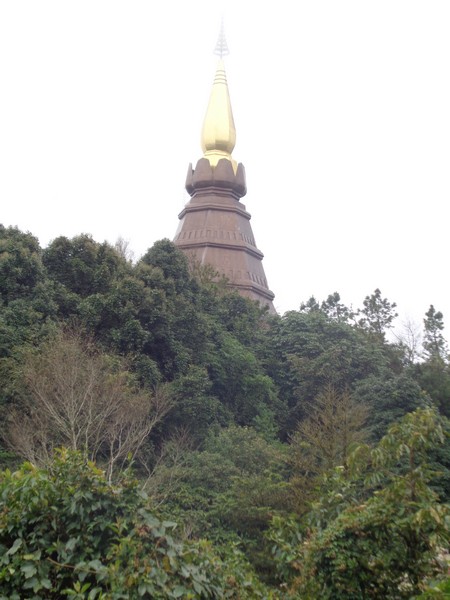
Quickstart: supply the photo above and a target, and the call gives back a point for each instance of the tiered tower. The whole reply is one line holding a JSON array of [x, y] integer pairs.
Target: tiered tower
[[214, 225]]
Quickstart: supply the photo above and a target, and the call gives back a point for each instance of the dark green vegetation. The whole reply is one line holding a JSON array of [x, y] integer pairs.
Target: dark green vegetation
[[309, 450]]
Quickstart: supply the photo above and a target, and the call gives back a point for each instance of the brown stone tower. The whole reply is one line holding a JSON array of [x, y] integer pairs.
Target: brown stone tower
[[214, 226]]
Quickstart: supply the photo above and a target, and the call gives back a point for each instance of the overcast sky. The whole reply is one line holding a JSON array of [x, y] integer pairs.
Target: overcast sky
[[342, 111]]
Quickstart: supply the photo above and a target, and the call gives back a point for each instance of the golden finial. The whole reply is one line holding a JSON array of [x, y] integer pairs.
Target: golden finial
[[219, 133]]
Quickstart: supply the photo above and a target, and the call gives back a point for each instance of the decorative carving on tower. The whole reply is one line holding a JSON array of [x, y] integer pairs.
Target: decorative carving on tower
[[214, 225]]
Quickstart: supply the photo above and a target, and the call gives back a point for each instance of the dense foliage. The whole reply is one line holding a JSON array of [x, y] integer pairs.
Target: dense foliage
[[261, 433], [377, 527], [66, 532]]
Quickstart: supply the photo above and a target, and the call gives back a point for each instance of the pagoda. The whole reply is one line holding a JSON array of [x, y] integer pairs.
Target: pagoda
[[214, 226]]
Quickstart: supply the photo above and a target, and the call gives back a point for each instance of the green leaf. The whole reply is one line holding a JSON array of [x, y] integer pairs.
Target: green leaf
[[28, 569], [70, 545], [95, 564], [17, 544], [32, 583], [46, 583]]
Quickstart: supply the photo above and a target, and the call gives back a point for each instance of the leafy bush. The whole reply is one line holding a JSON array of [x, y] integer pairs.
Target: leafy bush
[[66, 532]]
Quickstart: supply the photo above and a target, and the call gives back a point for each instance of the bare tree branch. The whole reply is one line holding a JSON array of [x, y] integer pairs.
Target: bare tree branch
[[79, 398]]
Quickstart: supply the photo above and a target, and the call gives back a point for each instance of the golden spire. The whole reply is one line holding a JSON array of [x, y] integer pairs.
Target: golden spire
[[219, 133]]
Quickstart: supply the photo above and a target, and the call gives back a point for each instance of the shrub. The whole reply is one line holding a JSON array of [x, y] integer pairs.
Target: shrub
[[66, 532]]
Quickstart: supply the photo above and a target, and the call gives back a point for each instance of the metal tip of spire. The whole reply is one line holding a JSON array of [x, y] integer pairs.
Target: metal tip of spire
[[221, 48]]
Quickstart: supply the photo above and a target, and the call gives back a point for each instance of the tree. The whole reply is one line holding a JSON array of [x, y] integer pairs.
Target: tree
[[433, 374], [83, 266], [21, 268], [334, 309], [240, 382], [123, 249], [123, 318], [389, 397], [172, 262], [77, 397], [308, 351], [434, 344], [324, 440], [26, 295], [178, 326], [195, 409], [377, 314], [245, 319], [376, 530], [311, 305], [409, 339], [231, 489]]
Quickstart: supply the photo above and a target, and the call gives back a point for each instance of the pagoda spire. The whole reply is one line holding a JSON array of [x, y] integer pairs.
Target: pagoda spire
[[214, 227], [219, 133]]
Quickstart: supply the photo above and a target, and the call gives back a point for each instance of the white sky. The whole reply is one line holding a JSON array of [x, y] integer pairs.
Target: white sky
[[342, 110]]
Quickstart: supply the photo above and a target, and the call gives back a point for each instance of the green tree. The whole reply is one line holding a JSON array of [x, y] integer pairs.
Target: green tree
[[21, 268], [195, 408], [181, 331], [433, 374], [239, 381], [306, 351], [172, 262], [311, 305], [83, 266], [378, 314], [324, 440], [377, 530], [434, 343], [434, 377], [243, 318], [125, 318], [334, 309], [26, 295], [389, 397], [230, 490]]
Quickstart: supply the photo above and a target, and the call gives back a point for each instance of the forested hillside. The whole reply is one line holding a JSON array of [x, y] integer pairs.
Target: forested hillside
[[163, 437]]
